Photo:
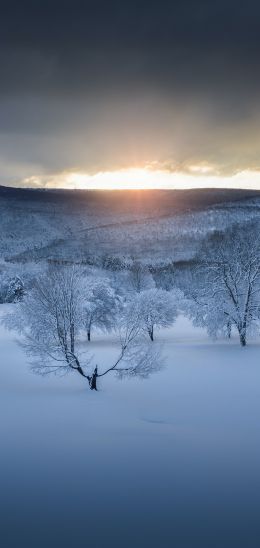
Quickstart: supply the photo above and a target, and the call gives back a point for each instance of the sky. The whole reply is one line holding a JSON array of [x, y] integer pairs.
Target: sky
[[98, 94]]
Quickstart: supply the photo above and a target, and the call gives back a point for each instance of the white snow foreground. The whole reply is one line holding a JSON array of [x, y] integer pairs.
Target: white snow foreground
[[149, 462]]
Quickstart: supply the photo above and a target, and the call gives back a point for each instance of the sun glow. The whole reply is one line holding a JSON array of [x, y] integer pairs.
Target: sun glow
[[143, 178], [198, 176], [133, 178]]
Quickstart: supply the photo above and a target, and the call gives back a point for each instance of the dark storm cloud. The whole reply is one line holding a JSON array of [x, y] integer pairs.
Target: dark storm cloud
[[102, 84], [62, 24], [87, 43]]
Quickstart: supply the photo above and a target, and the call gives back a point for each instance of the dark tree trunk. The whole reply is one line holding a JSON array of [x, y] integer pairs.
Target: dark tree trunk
[[242, 337], [72, 338], [93, 384], [229, 330], [89, 329], [150, 331], [93, 380]]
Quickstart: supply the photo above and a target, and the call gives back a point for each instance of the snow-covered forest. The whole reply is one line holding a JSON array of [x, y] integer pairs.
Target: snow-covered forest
[[202, 263]]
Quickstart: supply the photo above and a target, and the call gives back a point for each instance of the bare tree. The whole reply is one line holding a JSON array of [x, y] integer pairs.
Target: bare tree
[[51, 317]]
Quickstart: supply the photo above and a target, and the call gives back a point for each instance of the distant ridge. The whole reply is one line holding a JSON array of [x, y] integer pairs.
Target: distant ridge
[[170, 201], [92, 225]]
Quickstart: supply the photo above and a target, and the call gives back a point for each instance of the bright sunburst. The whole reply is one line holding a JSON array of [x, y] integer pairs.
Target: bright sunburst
[[147, 178]]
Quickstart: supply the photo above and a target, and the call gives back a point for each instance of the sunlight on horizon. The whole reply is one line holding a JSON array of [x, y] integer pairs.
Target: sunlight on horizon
[[147, 178]]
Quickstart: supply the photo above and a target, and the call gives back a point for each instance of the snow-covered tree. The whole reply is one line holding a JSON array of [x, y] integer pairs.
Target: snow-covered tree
[[155, 308], [101, 305], [139, 277], [50, 318], [15, 290], [11, 287], [4, 283], [225, 288]]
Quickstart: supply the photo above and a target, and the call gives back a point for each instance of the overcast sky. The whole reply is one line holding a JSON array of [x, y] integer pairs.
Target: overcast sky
[[91, 86]]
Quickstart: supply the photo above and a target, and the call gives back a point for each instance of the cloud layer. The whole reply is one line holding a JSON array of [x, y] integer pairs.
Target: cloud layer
[[93, 86]]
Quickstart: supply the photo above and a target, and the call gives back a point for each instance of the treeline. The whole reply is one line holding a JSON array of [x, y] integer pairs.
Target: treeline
[[219, 289]]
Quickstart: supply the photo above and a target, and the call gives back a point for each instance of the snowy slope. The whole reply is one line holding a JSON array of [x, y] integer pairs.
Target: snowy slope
[[84, 225]]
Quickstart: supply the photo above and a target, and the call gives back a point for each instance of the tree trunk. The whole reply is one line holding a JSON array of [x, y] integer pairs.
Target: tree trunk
[[72, 337], [242, 337], [93, 380], [150, 331], [89, 334], [229, 330]]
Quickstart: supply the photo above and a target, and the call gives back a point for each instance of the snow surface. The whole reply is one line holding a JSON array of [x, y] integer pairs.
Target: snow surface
[[172, 461]]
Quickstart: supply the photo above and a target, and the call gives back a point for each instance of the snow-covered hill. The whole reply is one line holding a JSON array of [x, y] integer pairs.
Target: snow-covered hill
[[91, 226]]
